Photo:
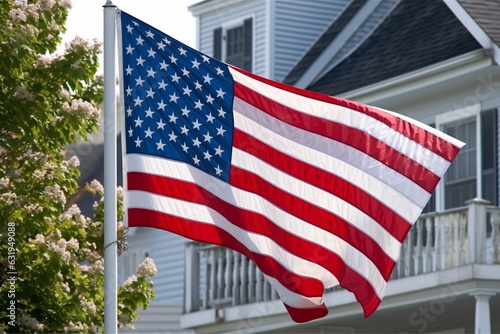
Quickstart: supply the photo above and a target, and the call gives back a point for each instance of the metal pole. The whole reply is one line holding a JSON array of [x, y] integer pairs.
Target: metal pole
[[110, 165]]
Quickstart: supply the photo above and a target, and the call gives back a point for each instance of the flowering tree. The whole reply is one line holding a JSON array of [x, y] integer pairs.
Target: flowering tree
[[51, 255]]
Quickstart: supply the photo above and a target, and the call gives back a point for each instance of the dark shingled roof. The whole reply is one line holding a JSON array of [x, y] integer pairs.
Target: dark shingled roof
[[415, 35], [322, 43], [487, 14]]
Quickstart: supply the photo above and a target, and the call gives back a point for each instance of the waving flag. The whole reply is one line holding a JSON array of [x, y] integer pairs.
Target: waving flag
[[316, 190]]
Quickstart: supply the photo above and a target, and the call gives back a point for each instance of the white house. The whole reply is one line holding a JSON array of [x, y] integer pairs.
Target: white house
[[436, 61]]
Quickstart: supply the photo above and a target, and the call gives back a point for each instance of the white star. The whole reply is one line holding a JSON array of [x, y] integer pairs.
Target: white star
[[220, 93], [220, 131], [138, 142], [130, 132], [150, 93], [162, 85], [161, 46], [138, 122], [172, 136], [182, 51], [163, 65], [140, 61], [138, 101], [206, 58], [129, 29], [198, 104], [218, 171], [173, 118], [184, 130], [196, 160], [150, 34], [187, 91], [139, 40], [207, 137], [129, 91], [218, 151], [173, 60], [151, 52], [149, 133], [207, 79], [219, 71], [159, 145], [184, 147], [207, 155], [185, 72], [198, 85], [161, 105], [196, 124], [166, 40], [129, 70], [222, 113], [185, 111], [175, 77], [196, 142], [210, 118], [195, 64], [210, 99], [173, 98], [129, 111], [161, 125], [139, 81], [149, 112], [129, 49], [151, 72]]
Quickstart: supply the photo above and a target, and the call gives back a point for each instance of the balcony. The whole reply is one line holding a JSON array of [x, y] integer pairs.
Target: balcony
[[218, 278]]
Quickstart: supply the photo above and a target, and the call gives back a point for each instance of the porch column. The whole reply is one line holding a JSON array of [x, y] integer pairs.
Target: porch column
[[482, 316], [476, 230]]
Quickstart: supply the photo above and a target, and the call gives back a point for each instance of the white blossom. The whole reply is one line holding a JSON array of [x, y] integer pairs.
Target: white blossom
[[4, 182], [8, 198], [74, 161], [129, 281], [147, 268], [55, 193], [28, 322], [96, 188]]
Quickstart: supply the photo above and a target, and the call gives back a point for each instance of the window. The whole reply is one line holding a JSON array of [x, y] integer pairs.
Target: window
[[233, 44], [473, 172]]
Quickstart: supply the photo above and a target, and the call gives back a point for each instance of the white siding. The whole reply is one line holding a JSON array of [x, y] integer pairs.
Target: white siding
[[167, 251], [297, 25]]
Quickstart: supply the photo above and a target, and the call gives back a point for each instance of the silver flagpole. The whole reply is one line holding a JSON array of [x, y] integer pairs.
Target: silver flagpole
[[110, 165]]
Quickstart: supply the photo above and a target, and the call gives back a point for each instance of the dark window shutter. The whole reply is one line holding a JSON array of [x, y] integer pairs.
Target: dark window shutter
[[247, 46], [489, 156], [218, 43]]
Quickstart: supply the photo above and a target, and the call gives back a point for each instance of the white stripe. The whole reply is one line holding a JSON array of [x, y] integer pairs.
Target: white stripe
[[351, 118], [357, 168], [320, 198], [294, 299], [251, 202]]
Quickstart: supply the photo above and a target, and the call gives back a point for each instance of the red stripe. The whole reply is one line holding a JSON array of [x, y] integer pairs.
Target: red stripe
[[388, 219], [421, 136], [254, 222], [344, 134]]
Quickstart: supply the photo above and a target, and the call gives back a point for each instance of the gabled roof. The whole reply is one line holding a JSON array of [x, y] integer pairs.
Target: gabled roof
[[415, 35], [322, 43]]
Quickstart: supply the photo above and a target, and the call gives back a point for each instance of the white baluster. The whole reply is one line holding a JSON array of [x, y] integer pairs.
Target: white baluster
[[244, 280], [236, 278], [228, 273]]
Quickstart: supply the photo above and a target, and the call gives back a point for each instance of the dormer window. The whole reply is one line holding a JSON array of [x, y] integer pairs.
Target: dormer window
[[233, 43]]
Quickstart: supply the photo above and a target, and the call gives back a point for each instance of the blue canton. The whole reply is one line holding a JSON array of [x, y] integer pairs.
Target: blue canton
[[178, 102]]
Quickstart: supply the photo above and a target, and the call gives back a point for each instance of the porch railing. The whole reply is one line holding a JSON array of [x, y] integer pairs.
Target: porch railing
[[217, 276]]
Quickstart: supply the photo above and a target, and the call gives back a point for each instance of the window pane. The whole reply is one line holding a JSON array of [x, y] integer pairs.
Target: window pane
[[460, 179]]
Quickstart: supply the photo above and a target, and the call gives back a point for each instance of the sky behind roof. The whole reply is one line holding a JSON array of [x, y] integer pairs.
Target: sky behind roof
[[170, 16]]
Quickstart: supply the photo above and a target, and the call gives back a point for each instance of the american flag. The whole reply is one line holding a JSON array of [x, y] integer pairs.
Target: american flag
[[316, 190]]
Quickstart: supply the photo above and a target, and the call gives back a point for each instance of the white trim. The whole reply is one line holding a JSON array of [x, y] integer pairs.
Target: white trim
[[237, 22], [475, 29], [269, 36], [347, 32], [458, 115]]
